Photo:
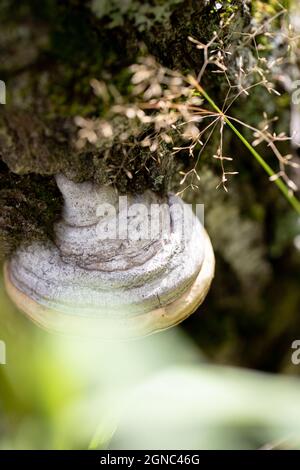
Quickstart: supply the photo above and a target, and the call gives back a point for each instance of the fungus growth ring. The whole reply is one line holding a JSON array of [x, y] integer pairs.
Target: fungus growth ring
[[125, 287]]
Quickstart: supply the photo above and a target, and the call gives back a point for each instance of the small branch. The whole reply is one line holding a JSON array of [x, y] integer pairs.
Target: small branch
[[295, 203]]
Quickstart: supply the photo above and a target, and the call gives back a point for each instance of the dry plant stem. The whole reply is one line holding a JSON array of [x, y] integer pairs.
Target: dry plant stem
[[295, 203]]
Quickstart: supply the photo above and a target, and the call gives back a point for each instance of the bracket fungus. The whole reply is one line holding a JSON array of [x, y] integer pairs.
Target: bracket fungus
[[107, 273]]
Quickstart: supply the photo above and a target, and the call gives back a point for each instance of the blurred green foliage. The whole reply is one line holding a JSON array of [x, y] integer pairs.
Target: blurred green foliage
[[59, 392]]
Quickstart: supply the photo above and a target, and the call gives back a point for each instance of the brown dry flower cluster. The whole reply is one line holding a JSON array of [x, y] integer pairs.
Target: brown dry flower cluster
[[168, 111]]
